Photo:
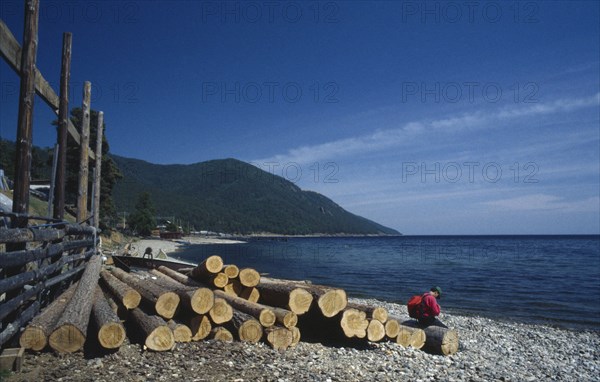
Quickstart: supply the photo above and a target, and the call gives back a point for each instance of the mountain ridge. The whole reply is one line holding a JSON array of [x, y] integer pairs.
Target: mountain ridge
[[229, 195]]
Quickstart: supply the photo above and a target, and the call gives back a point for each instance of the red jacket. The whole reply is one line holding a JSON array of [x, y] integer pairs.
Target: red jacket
[[430, 306]]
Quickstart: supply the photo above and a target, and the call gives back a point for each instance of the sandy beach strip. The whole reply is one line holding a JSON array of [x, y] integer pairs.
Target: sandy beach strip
[[168, 247]]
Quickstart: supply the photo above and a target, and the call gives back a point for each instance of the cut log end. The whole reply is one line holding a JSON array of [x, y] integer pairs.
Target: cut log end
[[354, 323], [221, 311], [450, 343], [67, 338], [203, 300], [181, 333], [418, 339], [375, 331], [300, 301], [295, 336], [232, 271], [250, 331], [160, 339], [404, 337], [220, 280], [249, 277], [380, 314], [221, 334], [214, 264], [392, 328], [131, 299], [200, 327], [279, 338], [332, 302], [111, 335], [33, 338], [267, 318], [167, 304], [290, 320]]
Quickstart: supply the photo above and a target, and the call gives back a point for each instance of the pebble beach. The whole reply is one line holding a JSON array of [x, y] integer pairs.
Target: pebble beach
[[490, 350]]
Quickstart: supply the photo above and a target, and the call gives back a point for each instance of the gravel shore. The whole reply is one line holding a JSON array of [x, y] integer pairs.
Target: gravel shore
[[489, 350]]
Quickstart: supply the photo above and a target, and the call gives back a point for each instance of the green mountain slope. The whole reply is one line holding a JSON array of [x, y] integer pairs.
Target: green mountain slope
[[233, 196]]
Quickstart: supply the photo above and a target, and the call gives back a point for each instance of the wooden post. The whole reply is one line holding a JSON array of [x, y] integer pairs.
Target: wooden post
[[98, 171], [25, 118], [82, 193], [63, 123], [53, 179]]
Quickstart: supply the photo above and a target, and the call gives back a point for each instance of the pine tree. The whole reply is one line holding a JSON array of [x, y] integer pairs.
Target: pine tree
[[142, 221]]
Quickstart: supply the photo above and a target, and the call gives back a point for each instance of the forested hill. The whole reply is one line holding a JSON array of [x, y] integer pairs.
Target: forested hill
[[235, 197]]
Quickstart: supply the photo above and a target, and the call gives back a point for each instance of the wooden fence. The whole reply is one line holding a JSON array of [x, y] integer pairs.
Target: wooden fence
[[41, 256], [56, 254]]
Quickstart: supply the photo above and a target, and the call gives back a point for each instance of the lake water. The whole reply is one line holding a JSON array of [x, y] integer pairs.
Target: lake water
[[536, 279]]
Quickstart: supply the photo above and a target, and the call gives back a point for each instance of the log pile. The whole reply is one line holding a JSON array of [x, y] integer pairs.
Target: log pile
[[215, 301]]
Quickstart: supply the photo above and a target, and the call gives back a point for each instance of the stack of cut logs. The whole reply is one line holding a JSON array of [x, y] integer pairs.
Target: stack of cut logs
[[213, 301]]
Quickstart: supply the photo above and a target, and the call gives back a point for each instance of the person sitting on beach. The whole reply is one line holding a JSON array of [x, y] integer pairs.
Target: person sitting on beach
[[149, 253], [430, 309]]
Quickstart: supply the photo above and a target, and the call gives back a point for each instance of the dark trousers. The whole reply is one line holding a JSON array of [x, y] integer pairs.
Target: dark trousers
[[426, 321]]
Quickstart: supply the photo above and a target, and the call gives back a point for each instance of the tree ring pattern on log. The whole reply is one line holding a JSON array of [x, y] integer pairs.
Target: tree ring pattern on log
[[67, 339]]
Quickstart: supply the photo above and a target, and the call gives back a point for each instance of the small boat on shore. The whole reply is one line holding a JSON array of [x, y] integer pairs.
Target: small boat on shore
[[128, 262]]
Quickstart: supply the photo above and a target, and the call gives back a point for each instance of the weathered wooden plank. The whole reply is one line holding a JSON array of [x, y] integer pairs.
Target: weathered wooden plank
[[18, 258], [24, 278]]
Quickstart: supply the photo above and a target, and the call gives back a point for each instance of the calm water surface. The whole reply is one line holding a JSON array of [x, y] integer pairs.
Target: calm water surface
[[538, 279]]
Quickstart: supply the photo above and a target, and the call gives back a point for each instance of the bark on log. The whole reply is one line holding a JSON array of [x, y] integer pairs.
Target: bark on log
[[210, 266], [354, 323], [378, 313], [221, 334], [245, 327], [200, 326], [157, 335], [111, 332], [262, 313], [330, 301], [164, 301], [438, 338], [279, 338], [129, 297], [35, 335], [198, 299], [71, 328], [221, 311], [181, 332], [286, 296], [180, 277], [231, 270], [375, 331], [249, 277]]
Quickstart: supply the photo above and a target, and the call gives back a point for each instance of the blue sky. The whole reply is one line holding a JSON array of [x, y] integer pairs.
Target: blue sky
[[430, 117]]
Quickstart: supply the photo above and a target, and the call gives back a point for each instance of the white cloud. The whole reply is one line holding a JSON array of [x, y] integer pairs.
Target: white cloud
[[545, 202], [396, 137]]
